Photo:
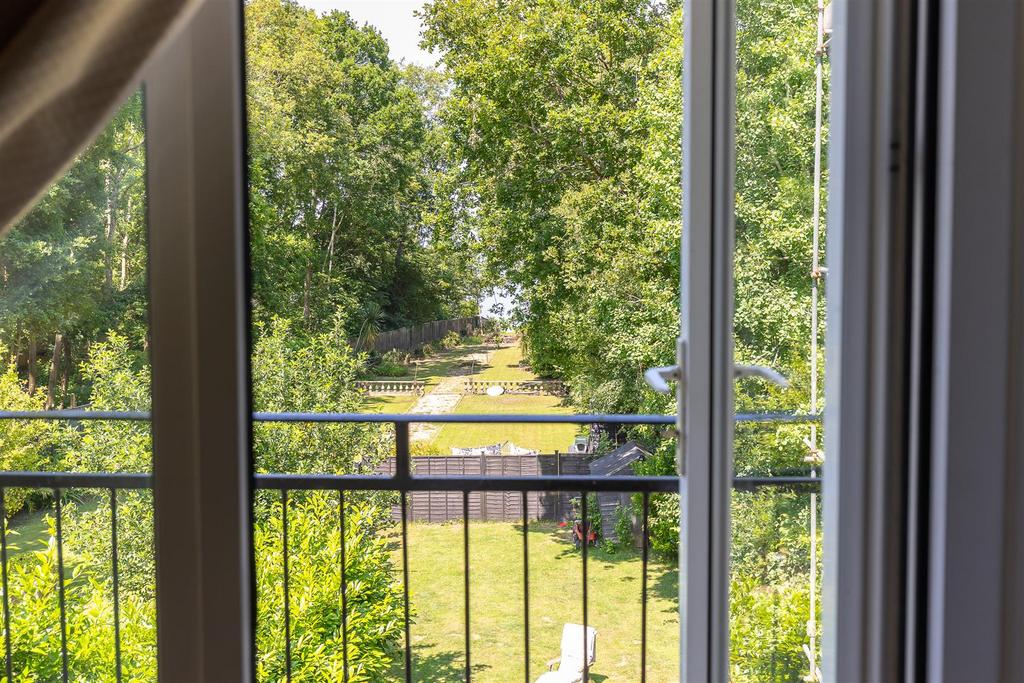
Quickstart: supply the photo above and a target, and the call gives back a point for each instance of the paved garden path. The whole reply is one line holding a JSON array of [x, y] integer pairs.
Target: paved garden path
[[442, 400]]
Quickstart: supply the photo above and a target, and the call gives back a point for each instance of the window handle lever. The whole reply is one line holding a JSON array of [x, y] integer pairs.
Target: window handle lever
[[762, 371], [658, 378]]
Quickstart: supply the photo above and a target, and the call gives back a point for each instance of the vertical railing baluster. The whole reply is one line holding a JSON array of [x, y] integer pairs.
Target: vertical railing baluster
[[643, 592], [465, 576], [60, 590], [586, 544], [405, 587], [116, 585], [403, 473], [344, 584], [526, 589], [287, 606], [8, 663]]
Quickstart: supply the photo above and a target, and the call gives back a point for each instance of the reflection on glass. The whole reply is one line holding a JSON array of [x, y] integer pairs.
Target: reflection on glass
[[73, 320]]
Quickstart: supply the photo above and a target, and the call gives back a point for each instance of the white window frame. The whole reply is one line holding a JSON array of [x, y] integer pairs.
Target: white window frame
[[199, 325]]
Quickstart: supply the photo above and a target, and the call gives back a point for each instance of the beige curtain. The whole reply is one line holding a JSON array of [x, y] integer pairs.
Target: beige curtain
[[65, 67]]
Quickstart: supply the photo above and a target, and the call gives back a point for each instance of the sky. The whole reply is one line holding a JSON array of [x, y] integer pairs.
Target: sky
[[393, 18]]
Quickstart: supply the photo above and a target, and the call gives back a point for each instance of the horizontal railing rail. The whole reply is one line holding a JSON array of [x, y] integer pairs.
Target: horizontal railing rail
[[402, 481], [468, 418]]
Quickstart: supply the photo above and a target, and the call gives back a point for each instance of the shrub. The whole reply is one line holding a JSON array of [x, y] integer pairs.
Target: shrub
[[473, 339], [388, 369], [623, 527], [312, 375], [450, 341], [426, 350], [26, 444], [397, 357], [374, 600], [392, 364], [35, 619]]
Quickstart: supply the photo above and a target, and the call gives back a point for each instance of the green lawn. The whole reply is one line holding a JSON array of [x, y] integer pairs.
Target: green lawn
[[505, 364], [391, 403], [30, 530], [545, 438], [496, 604], [446, 363]]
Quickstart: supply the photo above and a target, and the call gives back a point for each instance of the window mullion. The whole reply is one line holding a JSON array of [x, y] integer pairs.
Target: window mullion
[[194, 112]]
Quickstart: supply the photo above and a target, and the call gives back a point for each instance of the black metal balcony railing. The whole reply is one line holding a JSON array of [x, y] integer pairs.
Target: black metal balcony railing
[[402, 482]]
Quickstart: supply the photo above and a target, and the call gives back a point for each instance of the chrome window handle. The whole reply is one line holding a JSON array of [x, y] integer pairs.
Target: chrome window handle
[[658, 378], [762, 371]]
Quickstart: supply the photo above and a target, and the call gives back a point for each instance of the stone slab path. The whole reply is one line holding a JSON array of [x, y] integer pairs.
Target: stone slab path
[[441, 401]]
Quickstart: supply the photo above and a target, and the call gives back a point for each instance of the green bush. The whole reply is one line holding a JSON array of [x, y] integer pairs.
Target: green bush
[[24, 444], [473, 340], [311, 375], [386, 369], [426, 351], [623, 528], [374, 600], [450, 341], [35, 622]]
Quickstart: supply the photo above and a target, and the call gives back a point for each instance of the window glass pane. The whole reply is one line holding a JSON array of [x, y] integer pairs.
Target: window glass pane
[[781, 143], [463, 209], [73, 322]]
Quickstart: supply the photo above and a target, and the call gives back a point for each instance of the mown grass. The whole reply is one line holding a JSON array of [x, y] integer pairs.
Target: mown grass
[[545, 438], [497, 609], [505, 364], [392, 403]]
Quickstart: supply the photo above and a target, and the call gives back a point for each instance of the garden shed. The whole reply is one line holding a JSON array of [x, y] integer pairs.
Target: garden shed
[[618, 462]]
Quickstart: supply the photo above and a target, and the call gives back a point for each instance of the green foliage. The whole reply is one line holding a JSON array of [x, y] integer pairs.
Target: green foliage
[[450, 341], [388, 368], [76, 264], [315, 374], [374, 600], [623, 527], [767, 630], [392, 364], [35, 622], [24, 444], [341, 175]]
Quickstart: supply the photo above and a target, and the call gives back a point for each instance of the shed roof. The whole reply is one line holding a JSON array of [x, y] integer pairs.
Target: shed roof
[[618, 460]]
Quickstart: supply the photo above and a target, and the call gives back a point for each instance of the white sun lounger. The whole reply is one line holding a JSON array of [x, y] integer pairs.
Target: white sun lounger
[[570, 663]]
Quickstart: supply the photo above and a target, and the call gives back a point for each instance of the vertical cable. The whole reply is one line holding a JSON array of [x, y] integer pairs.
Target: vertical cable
[[465, 583], [7, 602], [586, 543], [287, 606], [116, 584], [526, 590], [405, 586], [643, 593], [344, 587], [60, 591]]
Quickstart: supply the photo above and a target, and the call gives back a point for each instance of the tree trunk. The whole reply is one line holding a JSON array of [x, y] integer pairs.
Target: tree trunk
[[55, 358], [65, 372], [124, 262], [330, 245], [31, 367], [305, 293], [110, 231]]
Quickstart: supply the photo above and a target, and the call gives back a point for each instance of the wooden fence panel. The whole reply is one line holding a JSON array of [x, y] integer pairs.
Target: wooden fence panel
[[494, 506], [412, 338]]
